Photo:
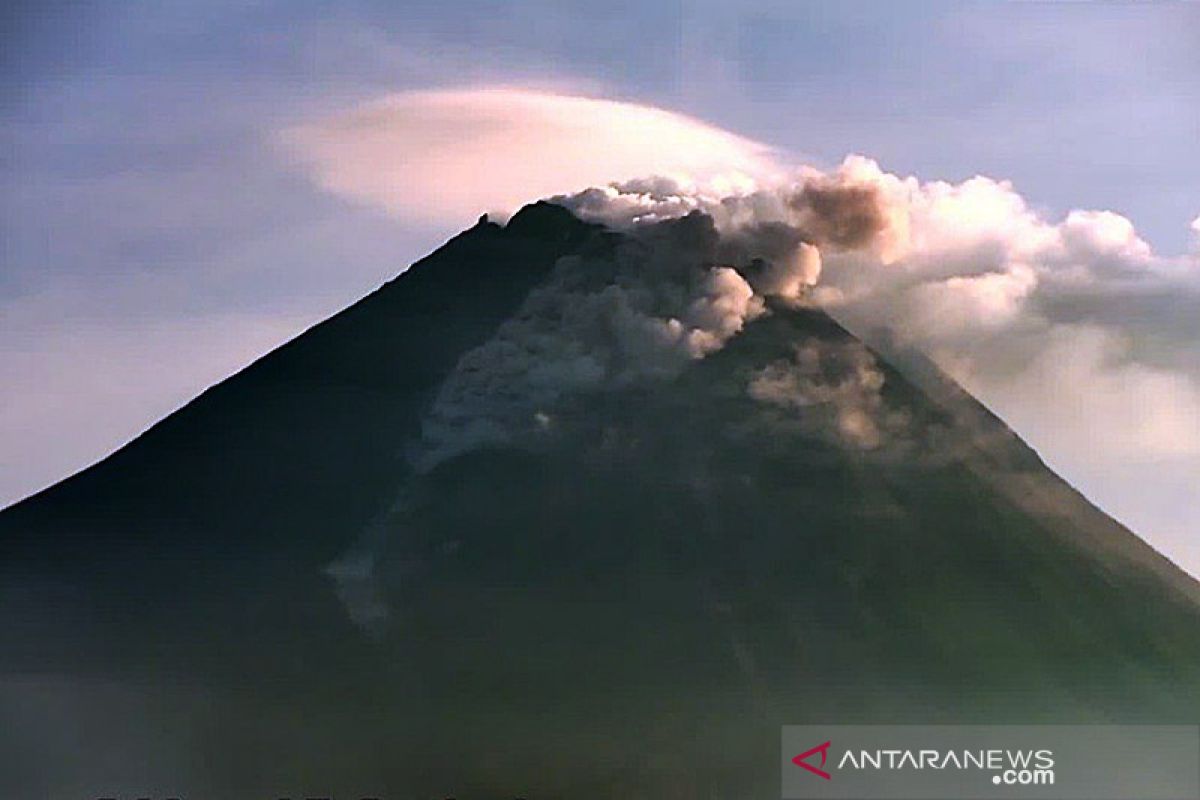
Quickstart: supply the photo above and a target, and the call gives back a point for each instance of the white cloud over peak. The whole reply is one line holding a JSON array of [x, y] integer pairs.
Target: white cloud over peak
[[450, 155]]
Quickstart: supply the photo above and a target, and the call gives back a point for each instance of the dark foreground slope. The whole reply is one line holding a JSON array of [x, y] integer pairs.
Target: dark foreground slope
[[628, 606], [302, 444]]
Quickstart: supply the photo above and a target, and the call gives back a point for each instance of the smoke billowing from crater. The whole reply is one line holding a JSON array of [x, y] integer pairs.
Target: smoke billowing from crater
[[635, 310], [689, 276], [1072, 328], [843, 216], [834, 392]]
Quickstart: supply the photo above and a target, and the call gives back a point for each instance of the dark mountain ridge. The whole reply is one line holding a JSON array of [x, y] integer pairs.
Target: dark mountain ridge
[[340, 398]]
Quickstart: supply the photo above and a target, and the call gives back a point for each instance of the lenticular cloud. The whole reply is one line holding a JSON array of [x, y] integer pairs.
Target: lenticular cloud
[[447, 156]]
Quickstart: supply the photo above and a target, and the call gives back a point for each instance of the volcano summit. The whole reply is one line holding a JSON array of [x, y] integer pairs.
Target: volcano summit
[[568, 510]]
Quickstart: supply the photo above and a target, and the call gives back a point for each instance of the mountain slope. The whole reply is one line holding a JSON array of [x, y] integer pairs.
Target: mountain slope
[[626, 599], [340, 399]]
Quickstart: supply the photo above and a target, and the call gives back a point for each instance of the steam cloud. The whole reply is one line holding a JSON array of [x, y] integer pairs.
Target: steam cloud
[[1074, 330], [973, 276], [679, 290], [687, 278], [837, 389], [844, 216]]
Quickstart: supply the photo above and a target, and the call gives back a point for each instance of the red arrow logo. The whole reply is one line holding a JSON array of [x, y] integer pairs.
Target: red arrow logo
[[823, 749]]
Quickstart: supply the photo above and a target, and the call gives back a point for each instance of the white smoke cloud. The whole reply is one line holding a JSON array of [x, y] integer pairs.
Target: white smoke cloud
[[697, 267], [1082, 337], [1005, 299], [597, 323], [842, 381], [1149, 412], [840, 211], [991, 289], [1074, 329]]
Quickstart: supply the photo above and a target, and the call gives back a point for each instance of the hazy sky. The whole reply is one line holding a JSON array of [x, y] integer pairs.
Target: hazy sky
[[158, 233]]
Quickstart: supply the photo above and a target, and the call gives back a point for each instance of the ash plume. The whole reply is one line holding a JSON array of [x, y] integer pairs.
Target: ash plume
[[966, 273], [690, 276], [835, 389], [844, 216]]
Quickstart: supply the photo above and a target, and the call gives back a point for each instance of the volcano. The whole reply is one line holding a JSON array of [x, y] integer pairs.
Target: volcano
[[433, 548]]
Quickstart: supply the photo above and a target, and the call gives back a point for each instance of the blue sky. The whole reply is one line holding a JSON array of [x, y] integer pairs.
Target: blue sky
[[155, 240]]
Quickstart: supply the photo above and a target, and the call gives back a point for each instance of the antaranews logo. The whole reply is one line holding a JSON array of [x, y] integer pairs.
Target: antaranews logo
[[802, 760], [1000, 762], [1009, 767]]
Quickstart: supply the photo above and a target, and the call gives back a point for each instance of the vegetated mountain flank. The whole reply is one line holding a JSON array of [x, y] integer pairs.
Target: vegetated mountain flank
[[323, 575]]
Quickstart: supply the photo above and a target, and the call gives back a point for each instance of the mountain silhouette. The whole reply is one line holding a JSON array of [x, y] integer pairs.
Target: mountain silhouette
[[270, 593]]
